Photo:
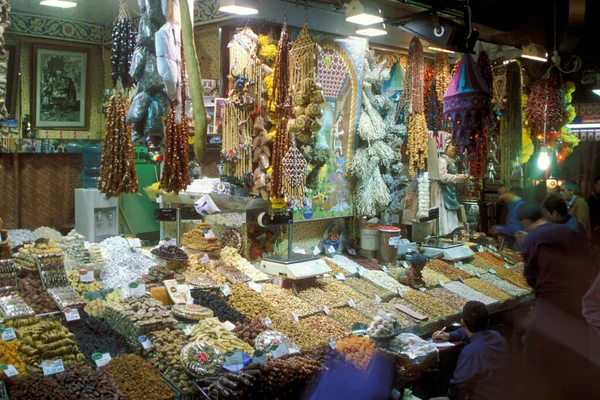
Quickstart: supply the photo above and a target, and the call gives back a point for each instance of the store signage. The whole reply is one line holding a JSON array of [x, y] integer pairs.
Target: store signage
[[51, 367]]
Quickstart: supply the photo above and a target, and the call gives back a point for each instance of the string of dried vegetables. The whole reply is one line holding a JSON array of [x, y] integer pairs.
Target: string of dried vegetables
[[442, 80], [281, 83], [123, 36], [546, 105], [117, 163], [175, 175], [417, 127], [510, 123]]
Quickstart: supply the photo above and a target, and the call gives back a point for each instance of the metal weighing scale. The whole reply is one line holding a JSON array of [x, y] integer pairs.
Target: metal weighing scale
[[293, 266], [432, 247]]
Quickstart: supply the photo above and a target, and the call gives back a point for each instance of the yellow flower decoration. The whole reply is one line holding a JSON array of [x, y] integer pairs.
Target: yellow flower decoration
[[272, 133], [263, 40], [269, 170], [268, 53]]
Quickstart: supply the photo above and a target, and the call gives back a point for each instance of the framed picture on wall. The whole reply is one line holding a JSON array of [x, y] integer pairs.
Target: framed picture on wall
[[60, 90], [11, 74]]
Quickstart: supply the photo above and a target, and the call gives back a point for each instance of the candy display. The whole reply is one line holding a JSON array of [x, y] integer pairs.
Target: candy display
[[199, 359], [219, 307], [18, 237], [367, 288], [165, 357], [117, 164], [47, 233], [9, 355], [36, 386], [232, 238], [449, 271], [82, 287], [268, 338], [136, 316], [30, 288], [200, 238], [348, 316], [96, 336], [383, 325], [197, 270], [170, 252], [487, 289], [452, 299], [211, 331], [325, 327], [231, 256], [81, 254], [66, 297], [137, 379], [249, 330], [232, 274], [29, 253], [432, 305], [86, 383], [191, 311], [357, 350], [96, 302]]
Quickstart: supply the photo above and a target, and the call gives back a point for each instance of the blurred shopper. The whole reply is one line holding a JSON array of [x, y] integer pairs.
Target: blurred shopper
[[593, 202], [481, 369], [577, 206], [557, 212], [559, 268], [512, 224]]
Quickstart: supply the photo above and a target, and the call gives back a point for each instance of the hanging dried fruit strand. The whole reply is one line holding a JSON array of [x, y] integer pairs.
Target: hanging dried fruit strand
[[510, 124], [123, 36], [117, 163]]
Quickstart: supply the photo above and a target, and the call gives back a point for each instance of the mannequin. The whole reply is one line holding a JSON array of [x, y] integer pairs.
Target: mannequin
[[443, 192]]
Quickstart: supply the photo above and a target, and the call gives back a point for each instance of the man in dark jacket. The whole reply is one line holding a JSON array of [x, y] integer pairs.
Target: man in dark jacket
[[557, 212]]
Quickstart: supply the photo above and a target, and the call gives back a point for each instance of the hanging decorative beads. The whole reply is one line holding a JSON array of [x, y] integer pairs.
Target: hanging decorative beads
[[117, 163], [511, 133], [294, 172]]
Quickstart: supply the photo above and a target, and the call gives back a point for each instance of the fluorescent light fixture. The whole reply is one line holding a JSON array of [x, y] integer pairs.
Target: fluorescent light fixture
[[535, 52], [583, 126], [239, 7], [372, 31], [433, 48], [58, 3], [596, 92], [357, 13], [543, 161]]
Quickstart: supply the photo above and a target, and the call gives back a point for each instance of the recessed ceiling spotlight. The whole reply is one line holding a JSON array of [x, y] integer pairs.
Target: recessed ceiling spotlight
[[378, 30], [357, 13]]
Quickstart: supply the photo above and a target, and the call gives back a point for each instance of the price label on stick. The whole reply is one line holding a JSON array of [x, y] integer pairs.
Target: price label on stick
[[145, 342], [458, 264], [331, 250], [325, 309], [378, 299], [506, 266], [316, 251], [332, 343], [384, 268], [9, 370], [268, 322], [339, 276], [8, 334], [295, 316], [351, 251], [477, 274], [137, 289], [422, 289], [86, 276], [405, 264], [101, 359], [480, 248], [255, 286], [492, 271], [208, 234], [442, 284], [71, 314], [279, 350], [226, 290], [51, 367], [351, 303], [234, 358], [229, 326], [260, 357], [204, 259]]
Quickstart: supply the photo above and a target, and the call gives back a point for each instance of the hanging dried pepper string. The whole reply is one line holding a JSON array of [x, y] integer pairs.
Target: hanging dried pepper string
[[417, 127], [282, 106], [117, 163]]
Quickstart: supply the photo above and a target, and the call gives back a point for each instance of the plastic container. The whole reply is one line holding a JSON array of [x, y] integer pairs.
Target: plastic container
[[368, 240], [90, 173], [387, 251]]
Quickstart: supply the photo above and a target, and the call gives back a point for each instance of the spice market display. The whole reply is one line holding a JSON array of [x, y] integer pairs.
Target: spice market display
[[331, 203]]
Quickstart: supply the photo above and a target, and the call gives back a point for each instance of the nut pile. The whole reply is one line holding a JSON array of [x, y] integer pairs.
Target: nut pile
[[469, 293], [432, 305], [249, 330], [213, 332], [231, 256], [368, 289], [382, 279], [507, 274], [412, 306], [318, 297], [36, 387], [137, 378], [490, 258], [196, 239], [448, 297], [348, 316], [334, 267], [96, 336], [9, 355], [448, 270], [432, 278], [338, 289], [284, 299], [365, 262], [86, 383], [82, 287], [326, 327], [347, 265], [165, 357], [357, 350], [487, 289], [137, 316], [503, 285], [473, 270], [45, 340], [219, 306]]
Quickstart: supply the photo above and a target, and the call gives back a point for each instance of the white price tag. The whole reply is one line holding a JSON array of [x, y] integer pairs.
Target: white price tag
[[331, 249], [226, 290], [361, 272], [461, 279], [326, 276], [229, 326], [492, 271], [137, 289], [255, 286], [351, 251], [204, 259], [384, 268], [101, 359], [325, 309], [145, 342], [186, 328], [279, 350], [458, 264], [405, 264], [339, 276], [480, 248], [477, 274], [506, 266], [8, 334], [400, 292], [135, 243], [298, 250], [51, 367], [423, 289], [394, 241], [378, 299], [71, 314], [332, 343], [351, 303], [268, 322], [295, 316], [442, 284], [209, 234], [492, 247], [159, 199], [236, 358], [316, 251], [9, 370], [86, 276]]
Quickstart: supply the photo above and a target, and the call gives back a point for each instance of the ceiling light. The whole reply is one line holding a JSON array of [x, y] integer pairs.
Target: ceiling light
[[239, 7], [372, 31], [356, 13], [535, 52], [433, 48], [58, 3], [543, 161], [596, 92]]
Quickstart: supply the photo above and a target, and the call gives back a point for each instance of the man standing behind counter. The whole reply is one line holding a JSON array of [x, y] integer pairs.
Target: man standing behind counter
[[578, 207], [480, 371]]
